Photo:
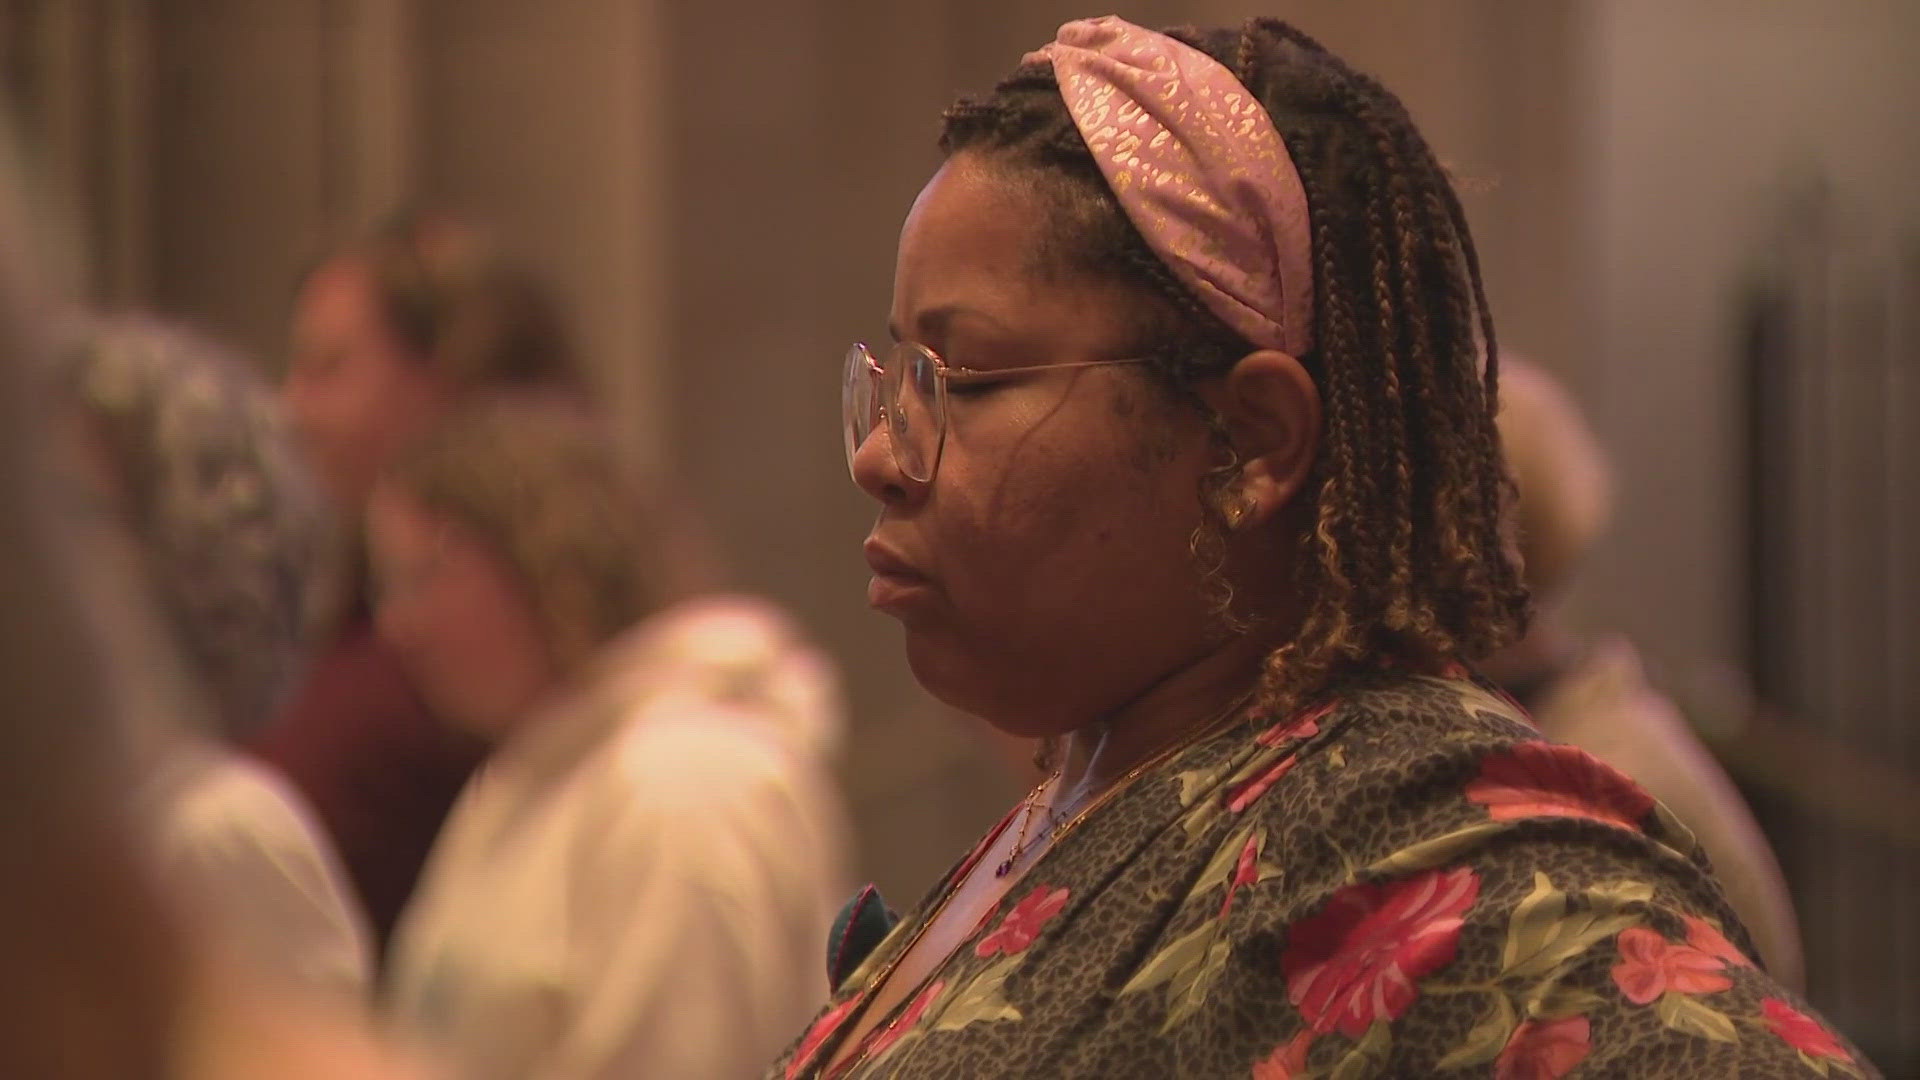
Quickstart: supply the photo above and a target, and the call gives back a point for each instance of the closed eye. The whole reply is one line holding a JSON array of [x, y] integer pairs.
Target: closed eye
[[970, 384]]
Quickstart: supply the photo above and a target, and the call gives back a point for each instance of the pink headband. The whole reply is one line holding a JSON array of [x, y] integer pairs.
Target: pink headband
[[1199, 169]]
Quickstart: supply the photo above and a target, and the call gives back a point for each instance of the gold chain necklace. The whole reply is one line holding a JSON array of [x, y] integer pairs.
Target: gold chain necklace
[[1026, 820], [1058, 828]]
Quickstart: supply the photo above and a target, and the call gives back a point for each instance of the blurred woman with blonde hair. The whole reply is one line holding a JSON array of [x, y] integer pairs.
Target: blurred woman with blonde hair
[[636, 882]]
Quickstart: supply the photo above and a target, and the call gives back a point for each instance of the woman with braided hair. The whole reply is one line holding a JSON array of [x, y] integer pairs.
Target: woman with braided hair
[[1186, 464]]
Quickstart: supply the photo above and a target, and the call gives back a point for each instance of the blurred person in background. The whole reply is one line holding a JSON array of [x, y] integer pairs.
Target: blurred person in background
[[387, 333], [1593, 693], [101, 975], [186, 453], [636, 882]]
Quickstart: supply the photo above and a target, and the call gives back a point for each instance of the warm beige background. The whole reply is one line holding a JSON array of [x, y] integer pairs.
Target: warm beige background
[[716, 186]]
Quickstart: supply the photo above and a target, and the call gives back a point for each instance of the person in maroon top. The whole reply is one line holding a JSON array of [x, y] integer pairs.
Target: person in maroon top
[[387, 333]]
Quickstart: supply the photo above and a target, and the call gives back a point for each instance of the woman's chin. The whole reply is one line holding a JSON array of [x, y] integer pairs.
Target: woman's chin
[[1000, 702], [939, 669]]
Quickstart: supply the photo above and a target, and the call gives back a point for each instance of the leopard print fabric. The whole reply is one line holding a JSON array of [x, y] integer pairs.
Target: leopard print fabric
[[1403, 881]]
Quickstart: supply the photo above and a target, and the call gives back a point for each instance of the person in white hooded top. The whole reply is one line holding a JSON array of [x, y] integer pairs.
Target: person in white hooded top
[[638, 879]]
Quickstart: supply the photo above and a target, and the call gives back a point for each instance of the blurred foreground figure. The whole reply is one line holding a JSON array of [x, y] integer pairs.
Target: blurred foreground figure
[[100, 979], [636, 882], [387, 334], [184, 450], [1593, 694]]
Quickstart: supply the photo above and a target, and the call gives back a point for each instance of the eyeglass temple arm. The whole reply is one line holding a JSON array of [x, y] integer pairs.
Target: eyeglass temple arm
[[996, 372]]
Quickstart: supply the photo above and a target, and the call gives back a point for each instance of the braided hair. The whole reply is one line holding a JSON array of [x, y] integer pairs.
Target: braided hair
[[1406, 559]]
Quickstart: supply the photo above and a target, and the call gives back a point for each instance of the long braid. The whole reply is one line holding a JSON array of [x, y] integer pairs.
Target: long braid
[[1393, 474], [1450, 255], [1498, 488], [1498, 578], [1415, 411]]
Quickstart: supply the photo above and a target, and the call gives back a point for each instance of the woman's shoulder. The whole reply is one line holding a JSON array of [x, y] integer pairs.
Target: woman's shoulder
[[1399, 763], [686, 759], [1427, 884], [1395, 739], [1414, 739], [721, 670], [1406, 710], [1382, 760], [230, 801]]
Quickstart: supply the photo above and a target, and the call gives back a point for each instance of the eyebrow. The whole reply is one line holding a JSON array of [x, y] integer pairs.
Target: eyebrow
[[934, 321]]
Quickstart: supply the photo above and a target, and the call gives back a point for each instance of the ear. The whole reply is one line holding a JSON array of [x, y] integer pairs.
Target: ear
[[1271, 408]]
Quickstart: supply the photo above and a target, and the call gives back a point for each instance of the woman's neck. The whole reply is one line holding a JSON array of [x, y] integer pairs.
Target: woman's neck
[[1170, 711]]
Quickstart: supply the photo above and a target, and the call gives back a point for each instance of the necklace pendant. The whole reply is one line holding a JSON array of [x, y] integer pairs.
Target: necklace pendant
[[1006, 865]]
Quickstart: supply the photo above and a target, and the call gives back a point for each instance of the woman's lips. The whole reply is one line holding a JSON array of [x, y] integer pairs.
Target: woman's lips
[[896, 583]]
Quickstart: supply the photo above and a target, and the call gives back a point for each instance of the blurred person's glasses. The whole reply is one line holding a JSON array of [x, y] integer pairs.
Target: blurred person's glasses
[[909, 391]]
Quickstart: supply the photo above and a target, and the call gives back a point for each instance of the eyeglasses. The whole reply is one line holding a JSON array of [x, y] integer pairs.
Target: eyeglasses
[[910, 392]]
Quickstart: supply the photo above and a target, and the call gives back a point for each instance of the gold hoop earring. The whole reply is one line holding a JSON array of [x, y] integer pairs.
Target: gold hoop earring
[[1239, 511]]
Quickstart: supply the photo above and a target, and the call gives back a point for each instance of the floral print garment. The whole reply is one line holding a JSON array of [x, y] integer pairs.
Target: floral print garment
[[1402, 881]]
